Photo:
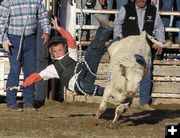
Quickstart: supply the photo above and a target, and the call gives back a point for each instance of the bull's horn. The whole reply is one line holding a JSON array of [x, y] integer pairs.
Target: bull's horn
[[167, 44]]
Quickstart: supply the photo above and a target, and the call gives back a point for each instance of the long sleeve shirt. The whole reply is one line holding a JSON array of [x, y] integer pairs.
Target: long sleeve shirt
[[158, 31], [14, 14]]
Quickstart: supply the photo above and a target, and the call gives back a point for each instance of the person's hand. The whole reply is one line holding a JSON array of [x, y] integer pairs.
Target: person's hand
[[45, 37], [154, 2], [55, 25], [6, 45], [158, 48], [32, 79]]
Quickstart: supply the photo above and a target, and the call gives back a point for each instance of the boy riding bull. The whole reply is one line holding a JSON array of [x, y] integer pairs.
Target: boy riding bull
[[74, 76]]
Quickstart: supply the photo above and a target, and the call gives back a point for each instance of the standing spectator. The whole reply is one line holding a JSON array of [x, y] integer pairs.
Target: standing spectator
[[18, 23], [132, 19], [169, 5]]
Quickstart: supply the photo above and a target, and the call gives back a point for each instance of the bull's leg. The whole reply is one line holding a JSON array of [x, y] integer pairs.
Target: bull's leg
[[103, 105], [119, 111], [102, 108], [99, 112]]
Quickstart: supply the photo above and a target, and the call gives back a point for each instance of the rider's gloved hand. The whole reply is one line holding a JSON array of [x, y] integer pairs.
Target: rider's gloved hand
[[32, 79]]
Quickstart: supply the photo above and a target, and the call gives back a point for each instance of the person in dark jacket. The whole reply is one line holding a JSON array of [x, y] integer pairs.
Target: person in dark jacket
[[18, 23], [132, 19]]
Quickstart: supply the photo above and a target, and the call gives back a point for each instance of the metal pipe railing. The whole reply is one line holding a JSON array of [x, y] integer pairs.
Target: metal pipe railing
[[114, 11], [93, 27]]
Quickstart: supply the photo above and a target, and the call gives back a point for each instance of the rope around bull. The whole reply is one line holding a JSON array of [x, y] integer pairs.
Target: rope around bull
[[81, 58]]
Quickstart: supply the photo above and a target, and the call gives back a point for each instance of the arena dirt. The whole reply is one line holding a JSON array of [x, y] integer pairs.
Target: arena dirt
[[75, 120]]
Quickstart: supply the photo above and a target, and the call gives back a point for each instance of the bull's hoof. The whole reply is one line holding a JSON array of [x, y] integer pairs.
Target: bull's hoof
[[93, 121], [112, 125]]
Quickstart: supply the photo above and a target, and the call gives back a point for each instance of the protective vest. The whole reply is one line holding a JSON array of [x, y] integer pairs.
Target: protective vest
[[130, 25], [65, 69]]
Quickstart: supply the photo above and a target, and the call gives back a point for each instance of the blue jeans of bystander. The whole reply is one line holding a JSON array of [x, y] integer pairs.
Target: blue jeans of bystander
[[27, 63]]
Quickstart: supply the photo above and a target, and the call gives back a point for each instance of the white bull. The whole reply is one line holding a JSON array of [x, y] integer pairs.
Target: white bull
[[125, 73]]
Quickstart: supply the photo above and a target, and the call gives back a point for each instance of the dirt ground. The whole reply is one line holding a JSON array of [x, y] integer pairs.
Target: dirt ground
[[75, 120]]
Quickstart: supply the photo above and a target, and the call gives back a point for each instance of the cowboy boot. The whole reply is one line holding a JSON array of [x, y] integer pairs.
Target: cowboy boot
[[104, 21]]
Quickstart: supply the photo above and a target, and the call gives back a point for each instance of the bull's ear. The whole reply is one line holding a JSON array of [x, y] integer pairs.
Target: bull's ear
[[123, 70]]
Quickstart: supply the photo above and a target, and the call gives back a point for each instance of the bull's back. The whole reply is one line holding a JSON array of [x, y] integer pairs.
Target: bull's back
[[129, 46]]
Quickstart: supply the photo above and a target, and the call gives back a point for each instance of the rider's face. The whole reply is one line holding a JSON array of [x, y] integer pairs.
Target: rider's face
[[58, 50]]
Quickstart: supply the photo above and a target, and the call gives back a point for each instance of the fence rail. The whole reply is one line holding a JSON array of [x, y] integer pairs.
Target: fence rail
[[114, 11]]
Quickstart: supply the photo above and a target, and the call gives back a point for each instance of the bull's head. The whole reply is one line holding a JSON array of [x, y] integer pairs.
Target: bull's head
[[133, 75]]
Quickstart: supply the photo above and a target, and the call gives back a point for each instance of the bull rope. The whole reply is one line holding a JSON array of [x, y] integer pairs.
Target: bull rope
[[81, 57]]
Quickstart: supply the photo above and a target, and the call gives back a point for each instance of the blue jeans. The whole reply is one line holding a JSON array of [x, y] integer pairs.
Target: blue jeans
[[27, 63], [41, 63], [145, 88], [178, 18], [93, 56], [167, 5], [121, 3]]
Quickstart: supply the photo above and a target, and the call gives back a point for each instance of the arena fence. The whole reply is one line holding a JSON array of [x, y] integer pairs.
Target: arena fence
[[166, 80], [166, 73]]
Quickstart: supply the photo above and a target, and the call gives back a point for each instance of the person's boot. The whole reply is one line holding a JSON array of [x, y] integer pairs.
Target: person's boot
[[37, 104], [104, 21]]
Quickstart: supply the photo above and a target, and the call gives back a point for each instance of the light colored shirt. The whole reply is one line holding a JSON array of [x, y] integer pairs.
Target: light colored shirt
[[158, 31], [19, 9]]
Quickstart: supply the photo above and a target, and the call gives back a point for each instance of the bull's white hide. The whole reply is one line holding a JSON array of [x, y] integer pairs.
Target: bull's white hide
[[122, 54], [125, 73], [129, 46]]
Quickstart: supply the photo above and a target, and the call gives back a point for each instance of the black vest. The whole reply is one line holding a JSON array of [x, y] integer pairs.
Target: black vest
[[65, 69], [130, 25]]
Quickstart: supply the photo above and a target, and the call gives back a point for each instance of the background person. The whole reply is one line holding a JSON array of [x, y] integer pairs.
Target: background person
[[132, 19], [18, 23]]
